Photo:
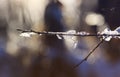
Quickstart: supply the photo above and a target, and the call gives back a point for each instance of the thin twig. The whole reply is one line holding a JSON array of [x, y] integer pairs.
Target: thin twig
[[83, 34], [93, 50]]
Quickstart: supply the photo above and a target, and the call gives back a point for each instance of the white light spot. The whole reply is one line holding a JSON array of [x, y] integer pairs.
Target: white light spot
[[94, 19]]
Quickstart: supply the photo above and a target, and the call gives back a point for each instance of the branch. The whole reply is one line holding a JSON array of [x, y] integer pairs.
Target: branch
[[67, 34], [90, 53], [106, 35]]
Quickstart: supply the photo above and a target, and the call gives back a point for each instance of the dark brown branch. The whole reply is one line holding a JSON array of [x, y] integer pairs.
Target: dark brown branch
[[93, 50]]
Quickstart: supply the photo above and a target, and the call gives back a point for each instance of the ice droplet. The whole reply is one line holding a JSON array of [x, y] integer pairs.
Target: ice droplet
[[25, 34]]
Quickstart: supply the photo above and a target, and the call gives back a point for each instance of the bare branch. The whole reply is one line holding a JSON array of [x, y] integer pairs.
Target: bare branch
[[90, 53], [69, 34], [106, 35]]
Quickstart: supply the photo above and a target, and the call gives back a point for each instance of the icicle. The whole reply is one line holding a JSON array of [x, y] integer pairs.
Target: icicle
[[59, 37]]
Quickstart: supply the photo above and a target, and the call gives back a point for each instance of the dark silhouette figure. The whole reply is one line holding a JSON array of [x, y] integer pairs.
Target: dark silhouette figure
[[57, 54], [53, 17], [53, 22]]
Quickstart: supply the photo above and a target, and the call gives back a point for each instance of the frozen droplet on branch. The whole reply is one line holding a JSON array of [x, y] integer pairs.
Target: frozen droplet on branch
[[106, 32], [71, 40], [59, 37], [25, 34], [118, 30], [32, 33], [69, 32]]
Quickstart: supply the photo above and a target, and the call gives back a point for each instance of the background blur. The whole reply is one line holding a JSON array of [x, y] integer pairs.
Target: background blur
[[48, 56]]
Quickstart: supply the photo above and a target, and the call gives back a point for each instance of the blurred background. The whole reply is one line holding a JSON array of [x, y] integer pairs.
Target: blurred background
[[48, 56]]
